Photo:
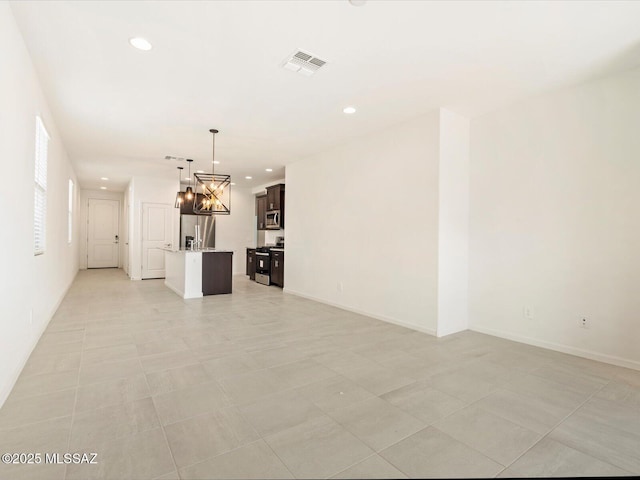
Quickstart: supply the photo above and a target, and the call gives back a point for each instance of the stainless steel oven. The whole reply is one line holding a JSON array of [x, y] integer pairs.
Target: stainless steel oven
[[263, 268], [273, 220]]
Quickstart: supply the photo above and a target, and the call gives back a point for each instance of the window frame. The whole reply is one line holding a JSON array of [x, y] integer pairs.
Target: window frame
[[70, 212], [40, 187]]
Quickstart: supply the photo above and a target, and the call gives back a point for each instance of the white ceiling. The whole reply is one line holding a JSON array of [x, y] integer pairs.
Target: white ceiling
[[217, 64]]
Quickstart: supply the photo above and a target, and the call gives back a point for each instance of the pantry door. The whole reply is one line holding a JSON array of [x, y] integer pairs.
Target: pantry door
[[157, 231]]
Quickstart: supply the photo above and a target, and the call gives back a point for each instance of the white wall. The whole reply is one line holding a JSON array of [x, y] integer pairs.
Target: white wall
[[453, 224], [85, 195], [236, 231], [364, 217], [148, 190], [31, 287], [554, 220]]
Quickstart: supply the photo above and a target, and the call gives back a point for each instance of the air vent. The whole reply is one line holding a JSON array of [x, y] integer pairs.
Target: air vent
[[171, 157], [303, 62]]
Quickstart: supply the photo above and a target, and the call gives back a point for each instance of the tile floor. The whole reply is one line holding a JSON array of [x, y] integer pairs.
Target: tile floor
[[259, 384]]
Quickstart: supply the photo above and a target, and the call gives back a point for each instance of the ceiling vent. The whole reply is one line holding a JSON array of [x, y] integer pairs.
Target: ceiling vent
[[303, 62], [171, 157]]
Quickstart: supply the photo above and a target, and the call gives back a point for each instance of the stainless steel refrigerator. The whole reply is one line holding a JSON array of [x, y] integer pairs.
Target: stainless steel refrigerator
[[207, 226]]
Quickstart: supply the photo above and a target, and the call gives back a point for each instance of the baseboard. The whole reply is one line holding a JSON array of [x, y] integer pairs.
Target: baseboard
[[591, 355], [178, 292], [383, 318], [16, 374]]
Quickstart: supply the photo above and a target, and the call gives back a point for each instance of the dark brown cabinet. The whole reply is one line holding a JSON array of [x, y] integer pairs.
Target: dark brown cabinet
[[275, 197], [275, 201], [251, 263], [216, 272], [186, 208], [277, 268], [261, 211]]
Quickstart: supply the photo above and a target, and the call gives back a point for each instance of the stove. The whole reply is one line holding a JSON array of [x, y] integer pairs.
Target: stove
[[263, 265]]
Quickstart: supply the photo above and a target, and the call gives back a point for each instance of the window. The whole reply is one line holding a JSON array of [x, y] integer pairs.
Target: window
[[70, 213], [40, 203]]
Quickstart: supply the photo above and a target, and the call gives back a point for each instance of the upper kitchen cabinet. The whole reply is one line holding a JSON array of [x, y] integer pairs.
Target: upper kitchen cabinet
[[261, 211], [275, 197], [275, 207], [186, 208]]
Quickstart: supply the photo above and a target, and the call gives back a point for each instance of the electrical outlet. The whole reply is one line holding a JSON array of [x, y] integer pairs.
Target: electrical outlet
[[583, 322], [528, 312]]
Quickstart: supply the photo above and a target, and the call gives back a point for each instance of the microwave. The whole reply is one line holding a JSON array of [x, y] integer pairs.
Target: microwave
[[273, 220]]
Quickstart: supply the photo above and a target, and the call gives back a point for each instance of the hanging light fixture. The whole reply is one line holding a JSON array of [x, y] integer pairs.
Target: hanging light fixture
[[188, 194], [215, 189], [180, 194]]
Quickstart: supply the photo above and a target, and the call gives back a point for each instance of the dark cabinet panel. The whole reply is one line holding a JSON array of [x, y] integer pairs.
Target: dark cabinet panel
[[275, 200], [275, 197], [261, 212], [251, 263], [277, 268], [217, 269], [187, 205]]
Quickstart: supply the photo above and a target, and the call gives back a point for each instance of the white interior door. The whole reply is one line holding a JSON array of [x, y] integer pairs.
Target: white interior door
[[125, 238], [102, 233], [157, 232]]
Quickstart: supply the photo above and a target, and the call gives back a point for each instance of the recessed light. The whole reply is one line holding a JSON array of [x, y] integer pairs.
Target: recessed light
[[199, 171], [104, 178], [268, 169], [103, 188], [216, 162], [140, 43], [349, 110], [233, 183], [248, 178], [187, 178]]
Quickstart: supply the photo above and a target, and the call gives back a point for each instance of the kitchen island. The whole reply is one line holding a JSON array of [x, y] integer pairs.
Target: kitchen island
[[196, 273]]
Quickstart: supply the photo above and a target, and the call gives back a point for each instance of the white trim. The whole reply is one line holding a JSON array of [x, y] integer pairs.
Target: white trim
[[181, 294], [16, 373], [591, 355], [383, 318]]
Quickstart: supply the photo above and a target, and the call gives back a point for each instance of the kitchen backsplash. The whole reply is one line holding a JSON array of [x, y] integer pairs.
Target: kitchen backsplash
[[268, 237]]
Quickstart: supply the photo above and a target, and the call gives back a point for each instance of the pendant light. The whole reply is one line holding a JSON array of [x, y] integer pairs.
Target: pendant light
[[215, 189], [180, 194], [188, 194]]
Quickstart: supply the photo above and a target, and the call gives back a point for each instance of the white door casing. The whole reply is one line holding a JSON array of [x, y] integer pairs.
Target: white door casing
[[125, 238], [103, 222], [157, 232]]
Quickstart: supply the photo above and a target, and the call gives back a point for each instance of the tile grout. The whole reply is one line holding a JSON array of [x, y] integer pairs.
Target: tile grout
[[75, 403], [545, 435]]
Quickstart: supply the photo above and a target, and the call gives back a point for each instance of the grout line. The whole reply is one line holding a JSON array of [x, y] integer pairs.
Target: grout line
[[75, 402], [542, 437], [354, 464], [164, 433]]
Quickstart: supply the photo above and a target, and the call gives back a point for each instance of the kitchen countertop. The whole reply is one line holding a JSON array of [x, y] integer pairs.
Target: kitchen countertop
[[200, 250]]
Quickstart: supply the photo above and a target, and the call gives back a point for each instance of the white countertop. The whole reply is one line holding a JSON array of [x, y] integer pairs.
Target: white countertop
[[200, 250]]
